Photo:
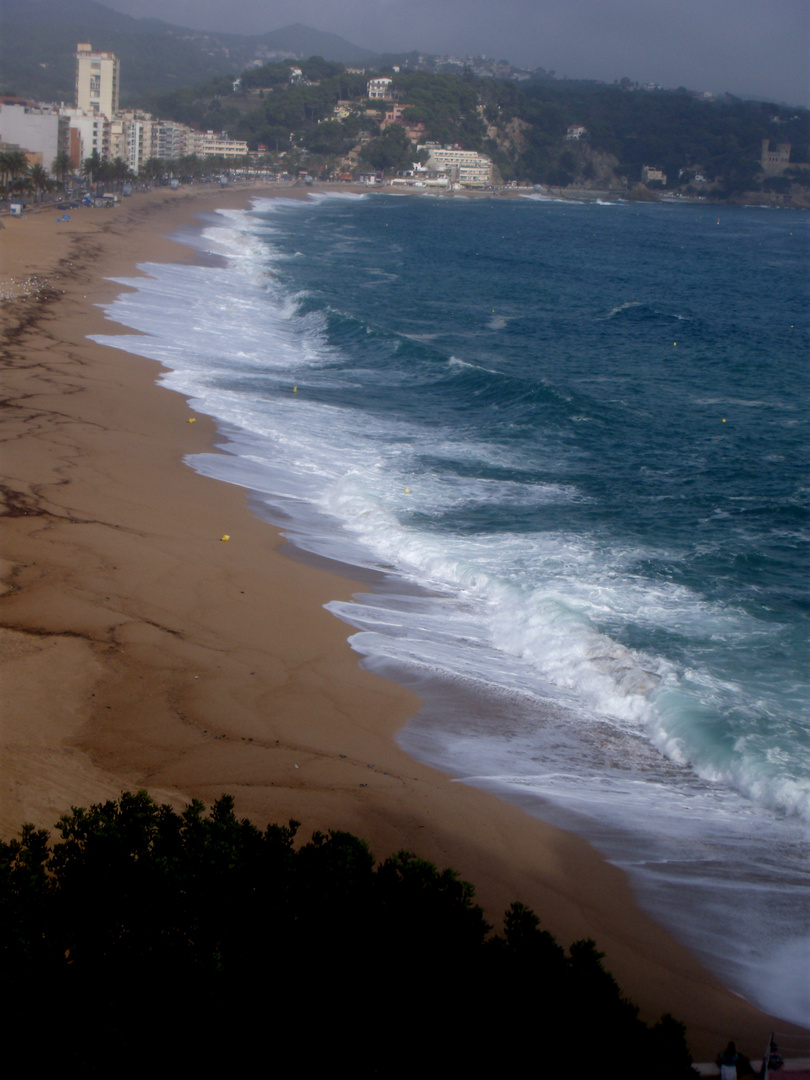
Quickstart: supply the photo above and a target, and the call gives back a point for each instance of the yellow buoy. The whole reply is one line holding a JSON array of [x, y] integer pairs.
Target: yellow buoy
[[295, 389], [192, 420], [225, 537], [724, 419]]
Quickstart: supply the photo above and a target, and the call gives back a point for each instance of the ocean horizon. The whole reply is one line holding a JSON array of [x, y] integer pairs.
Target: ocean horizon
[[566, 446]]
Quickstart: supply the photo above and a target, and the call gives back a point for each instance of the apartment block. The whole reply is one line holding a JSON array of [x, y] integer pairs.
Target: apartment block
[[465, 167], [89, 133], [38, 130], [97, 81], [209, 144]]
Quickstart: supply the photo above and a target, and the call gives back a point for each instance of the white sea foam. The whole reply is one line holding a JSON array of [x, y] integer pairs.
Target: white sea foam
[[546, 604], [623, 307], [752, 403], [534, 619], [538, 196]]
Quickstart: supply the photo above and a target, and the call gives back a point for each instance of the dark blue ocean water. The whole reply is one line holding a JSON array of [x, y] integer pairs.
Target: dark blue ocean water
[[573, 440]]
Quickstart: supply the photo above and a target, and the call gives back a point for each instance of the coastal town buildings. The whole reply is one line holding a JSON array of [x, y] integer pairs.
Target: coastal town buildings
[[169, 140], [96, 126], [650, 174], [414, 131], [465, 167], [89, 134], [131, 135], [97, 81], [211, 144], [774, 159], [379, 89], [394, 115], [38, 130]]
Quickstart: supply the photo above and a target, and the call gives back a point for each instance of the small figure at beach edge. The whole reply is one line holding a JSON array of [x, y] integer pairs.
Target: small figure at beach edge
[[728, 1062], [734, 1065]]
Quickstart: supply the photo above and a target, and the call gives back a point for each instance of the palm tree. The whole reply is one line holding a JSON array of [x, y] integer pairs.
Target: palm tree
[[14, 166], [152, 169], [117, 172], [105, 174], [91, 166], [191, 167], [39, 180], [61, 166]]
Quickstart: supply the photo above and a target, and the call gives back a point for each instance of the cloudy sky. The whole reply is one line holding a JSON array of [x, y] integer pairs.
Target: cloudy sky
[[758, 48]]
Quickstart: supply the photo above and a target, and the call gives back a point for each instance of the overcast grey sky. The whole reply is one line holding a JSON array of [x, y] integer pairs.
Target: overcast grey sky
[[757, 48]]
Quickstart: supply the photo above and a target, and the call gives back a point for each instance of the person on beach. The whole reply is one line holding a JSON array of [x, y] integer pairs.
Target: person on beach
[[728, 1062]]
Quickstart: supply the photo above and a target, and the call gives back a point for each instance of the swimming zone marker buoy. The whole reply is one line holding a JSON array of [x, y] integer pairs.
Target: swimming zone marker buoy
[[224, 538], [295, 389], [192, 420]]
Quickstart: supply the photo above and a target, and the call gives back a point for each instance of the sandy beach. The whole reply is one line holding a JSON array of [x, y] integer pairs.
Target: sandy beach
[[140, 650]]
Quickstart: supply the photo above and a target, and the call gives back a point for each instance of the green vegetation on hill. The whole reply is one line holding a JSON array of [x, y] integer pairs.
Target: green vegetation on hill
[[448, 106], [150, 938], [704, 147], [669, 129]]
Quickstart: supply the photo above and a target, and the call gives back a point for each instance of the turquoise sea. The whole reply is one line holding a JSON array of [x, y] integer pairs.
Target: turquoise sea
[[568, 446]]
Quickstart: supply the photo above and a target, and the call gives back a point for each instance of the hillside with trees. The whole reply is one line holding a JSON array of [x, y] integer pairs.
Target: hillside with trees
[[323, 121], [145, 938]]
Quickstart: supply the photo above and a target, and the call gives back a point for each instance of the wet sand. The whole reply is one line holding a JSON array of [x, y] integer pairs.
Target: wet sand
[[140, 650]]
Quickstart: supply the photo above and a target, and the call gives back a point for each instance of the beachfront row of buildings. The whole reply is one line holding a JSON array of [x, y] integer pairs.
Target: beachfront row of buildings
[[96, 124]]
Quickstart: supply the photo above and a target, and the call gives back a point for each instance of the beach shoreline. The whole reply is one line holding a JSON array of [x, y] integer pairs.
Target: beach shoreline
[[142, 651]]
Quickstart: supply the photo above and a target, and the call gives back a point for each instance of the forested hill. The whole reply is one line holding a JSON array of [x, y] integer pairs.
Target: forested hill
[[325, 121]]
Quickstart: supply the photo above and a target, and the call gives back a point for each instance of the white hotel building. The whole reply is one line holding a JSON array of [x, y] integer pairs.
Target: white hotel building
[[466, 167]]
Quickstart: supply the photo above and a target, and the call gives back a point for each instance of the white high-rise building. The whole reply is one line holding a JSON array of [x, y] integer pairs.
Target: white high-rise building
[[97, 81]]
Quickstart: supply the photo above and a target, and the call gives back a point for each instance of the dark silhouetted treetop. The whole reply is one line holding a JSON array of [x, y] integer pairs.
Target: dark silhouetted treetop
[[147, 938]]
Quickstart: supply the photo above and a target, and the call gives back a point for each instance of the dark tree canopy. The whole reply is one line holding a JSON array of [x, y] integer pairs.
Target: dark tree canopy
[[145, 938], [392, 151]]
